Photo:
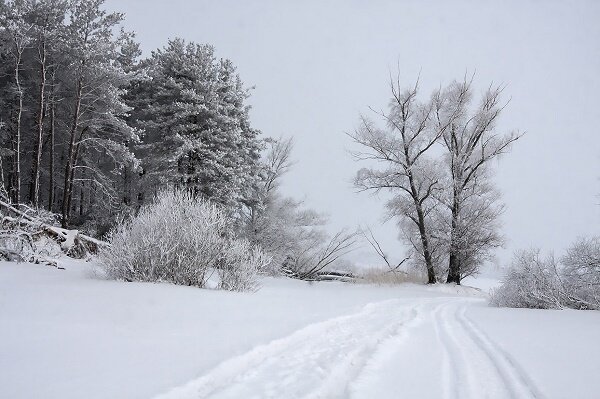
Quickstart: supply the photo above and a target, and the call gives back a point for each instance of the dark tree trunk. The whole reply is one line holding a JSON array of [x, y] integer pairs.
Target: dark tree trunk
[[454, 269], [16, 188], [422, 230], [81, 198], [37, 159], [426, 252], [52, 182], [454, 258], [70, 164]]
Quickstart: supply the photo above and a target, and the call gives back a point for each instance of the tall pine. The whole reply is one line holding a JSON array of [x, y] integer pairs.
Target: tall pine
[[197, 134]]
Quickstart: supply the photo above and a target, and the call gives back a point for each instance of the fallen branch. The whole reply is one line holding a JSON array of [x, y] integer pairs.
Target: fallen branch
[[72, 242], [379, 251]]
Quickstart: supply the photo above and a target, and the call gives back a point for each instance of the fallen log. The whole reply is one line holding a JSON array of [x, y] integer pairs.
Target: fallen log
[[72, 242]]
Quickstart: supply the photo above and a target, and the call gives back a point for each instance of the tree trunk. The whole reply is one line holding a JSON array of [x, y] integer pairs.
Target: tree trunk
[[69, 167], [454, 258], [426, 252], [37, 159], [52, 182], [1, 175], [82, 195], [422, 230], [17, 138]]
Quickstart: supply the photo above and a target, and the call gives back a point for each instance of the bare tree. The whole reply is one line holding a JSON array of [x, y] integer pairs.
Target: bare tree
[[471, 141], [277, 162], [294, 237], [270, 217], [402, 148]]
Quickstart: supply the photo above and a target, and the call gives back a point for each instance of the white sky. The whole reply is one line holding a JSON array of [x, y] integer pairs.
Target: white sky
[[316, 65]]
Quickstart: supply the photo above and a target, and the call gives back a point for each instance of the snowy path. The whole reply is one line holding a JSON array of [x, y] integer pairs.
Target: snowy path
[[317, 361], [474, 367], [398, 348]]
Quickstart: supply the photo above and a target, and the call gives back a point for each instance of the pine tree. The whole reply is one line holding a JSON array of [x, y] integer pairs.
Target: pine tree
[[196, 126]]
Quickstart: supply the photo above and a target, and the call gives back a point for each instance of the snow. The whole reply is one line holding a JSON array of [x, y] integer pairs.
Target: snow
[[69, 241], [69, 334], [559, 349]]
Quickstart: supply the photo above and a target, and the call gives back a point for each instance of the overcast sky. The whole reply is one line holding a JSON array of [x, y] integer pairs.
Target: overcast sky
[[317, 65]]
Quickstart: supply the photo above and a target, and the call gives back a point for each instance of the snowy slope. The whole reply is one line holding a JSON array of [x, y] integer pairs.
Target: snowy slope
[[66, 334]]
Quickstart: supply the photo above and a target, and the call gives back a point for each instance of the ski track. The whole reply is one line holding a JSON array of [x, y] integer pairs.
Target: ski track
[[318, 361], [323, 359], [520, 384], [449, 369], [475, 367]]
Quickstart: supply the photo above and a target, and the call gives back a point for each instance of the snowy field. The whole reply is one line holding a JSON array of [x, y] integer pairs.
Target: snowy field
[[66, 334]]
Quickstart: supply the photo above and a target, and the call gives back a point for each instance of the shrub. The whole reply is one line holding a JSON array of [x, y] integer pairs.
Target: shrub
[[581, 274], [240, 265], [180, 239], [533, 282]]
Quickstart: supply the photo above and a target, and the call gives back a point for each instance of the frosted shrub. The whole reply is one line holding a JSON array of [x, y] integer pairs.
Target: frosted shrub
[[241, 265], [531, 282], [581, 274], [178, 239]]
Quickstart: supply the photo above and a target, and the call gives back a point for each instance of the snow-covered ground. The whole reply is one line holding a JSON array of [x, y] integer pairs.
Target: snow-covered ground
[[66, 334]]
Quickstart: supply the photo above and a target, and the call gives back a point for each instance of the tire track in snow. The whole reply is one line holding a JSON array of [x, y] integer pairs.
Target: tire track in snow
[[474, 367], [351, 367], [318, 361], [449, 370], [520, 384], [395, 368]]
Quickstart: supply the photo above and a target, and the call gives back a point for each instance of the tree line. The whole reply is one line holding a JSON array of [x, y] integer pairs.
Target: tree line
[[91, 131]]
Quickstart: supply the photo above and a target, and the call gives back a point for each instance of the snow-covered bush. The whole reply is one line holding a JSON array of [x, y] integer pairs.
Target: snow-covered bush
[[241, 265], [531, 282], [180, 239], [581, 274]]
